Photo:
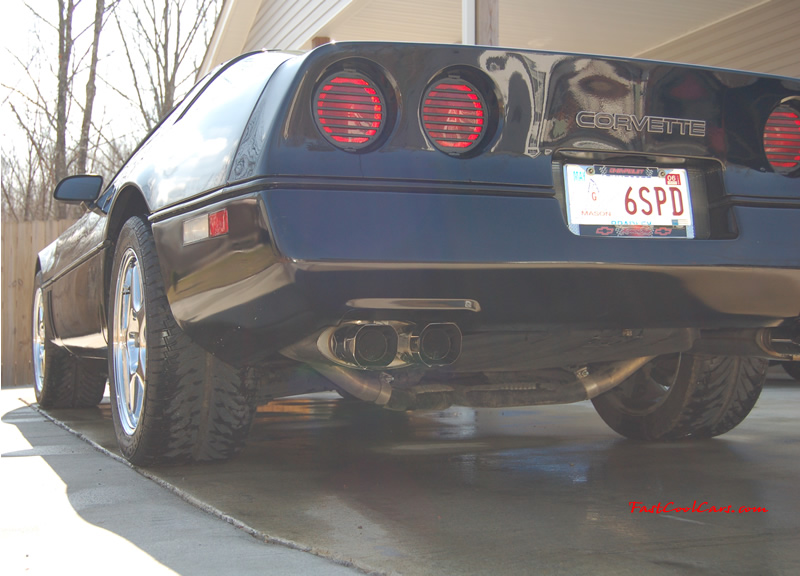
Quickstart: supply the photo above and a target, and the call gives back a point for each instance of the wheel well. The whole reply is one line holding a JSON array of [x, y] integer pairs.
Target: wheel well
[[130, 202]]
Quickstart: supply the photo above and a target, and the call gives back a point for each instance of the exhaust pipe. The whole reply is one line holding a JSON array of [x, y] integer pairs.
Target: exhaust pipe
[[436, 345], [371, 387], [392, 344], [365, 345], [404, 391], [782, 343]]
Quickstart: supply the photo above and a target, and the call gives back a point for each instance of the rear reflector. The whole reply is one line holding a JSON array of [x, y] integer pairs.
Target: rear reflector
[[205, 226], [454, 115], [218, 223], [350, 110], [782, 139]]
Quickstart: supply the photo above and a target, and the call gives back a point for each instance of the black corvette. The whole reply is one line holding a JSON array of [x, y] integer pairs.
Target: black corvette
[[421, 225]]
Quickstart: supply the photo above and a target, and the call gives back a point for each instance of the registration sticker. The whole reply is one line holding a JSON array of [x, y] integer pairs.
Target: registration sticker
[[628, 201]]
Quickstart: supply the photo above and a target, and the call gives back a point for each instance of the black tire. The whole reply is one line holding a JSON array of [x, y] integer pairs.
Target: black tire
[[190, 405], [792, 369], [61, 380], [683, 396]]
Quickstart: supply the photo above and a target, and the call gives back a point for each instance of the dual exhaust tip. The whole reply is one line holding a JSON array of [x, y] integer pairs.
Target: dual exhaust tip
[[392, 344]]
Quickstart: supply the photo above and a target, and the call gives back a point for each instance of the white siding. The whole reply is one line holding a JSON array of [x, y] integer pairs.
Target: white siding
[[289, 25], [233, 26], [763, 39], [614, 27], [758, 35], [399, 21]]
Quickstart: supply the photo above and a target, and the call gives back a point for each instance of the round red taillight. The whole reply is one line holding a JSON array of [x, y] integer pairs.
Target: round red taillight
[[782, 139], [350, 110], [454, 115]]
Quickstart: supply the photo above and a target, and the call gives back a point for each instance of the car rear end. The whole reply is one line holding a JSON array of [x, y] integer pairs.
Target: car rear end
[[497, 196]]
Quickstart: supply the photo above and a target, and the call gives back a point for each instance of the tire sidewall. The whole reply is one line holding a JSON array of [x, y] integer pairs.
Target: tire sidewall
[[709, 396], [67, 381], [195, 407]]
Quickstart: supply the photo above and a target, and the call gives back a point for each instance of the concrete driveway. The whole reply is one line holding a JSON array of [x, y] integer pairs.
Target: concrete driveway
[[67, 508], [543, 490]]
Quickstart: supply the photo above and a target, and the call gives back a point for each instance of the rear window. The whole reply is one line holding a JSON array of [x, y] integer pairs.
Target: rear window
[[194, 153]]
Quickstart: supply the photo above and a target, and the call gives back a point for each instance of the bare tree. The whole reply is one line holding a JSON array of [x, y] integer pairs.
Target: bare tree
[[91, 88], [163, 42], [27, 174], [49, 154], [163, 50], [65, 43]]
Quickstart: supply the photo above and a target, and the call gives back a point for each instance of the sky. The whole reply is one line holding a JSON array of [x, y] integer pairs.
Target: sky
[[17, 35], [18, 28]]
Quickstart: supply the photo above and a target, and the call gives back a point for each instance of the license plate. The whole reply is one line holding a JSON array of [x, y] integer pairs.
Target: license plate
[[632, 202]]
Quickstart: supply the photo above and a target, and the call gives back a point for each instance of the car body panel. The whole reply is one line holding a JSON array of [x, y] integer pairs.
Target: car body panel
[[70, 269], [192, 150], [314, 228], [733, 105], [333, 246]]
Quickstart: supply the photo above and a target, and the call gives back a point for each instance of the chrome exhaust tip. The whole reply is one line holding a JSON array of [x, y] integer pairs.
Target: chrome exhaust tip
[[365, 345], [389, 344], [438, 344]]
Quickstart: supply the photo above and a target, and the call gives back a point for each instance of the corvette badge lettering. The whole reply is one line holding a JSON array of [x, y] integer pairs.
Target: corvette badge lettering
[[651, 124]]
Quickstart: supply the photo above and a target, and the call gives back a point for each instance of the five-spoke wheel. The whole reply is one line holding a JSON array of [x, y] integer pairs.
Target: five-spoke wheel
[[39, 351], [129, 340], [60, 379], [171, 401]]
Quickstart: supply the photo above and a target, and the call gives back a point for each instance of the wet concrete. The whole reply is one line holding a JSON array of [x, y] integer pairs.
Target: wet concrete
[[514, 491]]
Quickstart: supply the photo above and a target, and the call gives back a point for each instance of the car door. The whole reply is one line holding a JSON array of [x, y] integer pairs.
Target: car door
[[75, 285]]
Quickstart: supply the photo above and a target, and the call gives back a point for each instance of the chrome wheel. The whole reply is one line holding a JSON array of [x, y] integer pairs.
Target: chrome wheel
[[174, 402], [38, 341], [129, 342]]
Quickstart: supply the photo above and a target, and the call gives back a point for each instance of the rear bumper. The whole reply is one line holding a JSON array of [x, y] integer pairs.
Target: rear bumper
[[296, 260]]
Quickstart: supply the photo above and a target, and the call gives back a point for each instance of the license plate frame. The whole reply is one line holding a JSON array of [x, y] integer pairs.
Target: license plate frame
[[628, 201]]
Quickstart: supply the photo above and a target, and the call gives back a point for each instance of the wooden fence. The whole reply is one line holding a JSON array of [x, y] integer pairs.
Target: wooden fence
[[21, 241]]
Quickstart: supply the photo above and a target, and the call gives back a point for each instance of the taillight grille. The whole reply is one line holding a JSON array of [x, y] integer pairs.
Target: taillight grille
[[454, 115], [782, 139], [350, 110]]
